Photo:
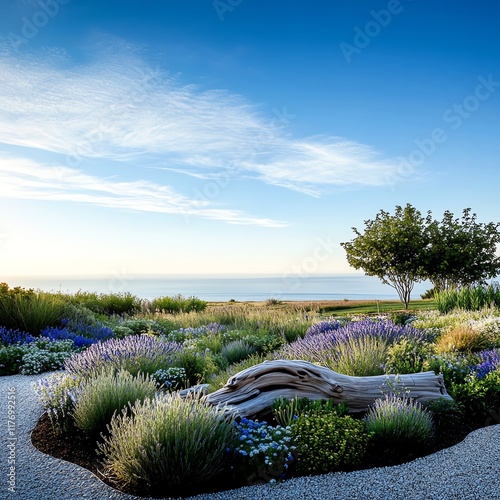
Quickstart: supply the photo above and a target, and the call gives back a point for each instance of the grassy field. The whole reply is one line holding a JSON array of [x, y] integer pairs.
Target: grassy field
[[336, 307]]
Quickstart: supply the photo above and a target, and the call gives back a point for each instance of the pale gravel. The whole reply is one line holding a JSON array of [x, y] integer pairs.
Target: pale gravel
[[469, 470]]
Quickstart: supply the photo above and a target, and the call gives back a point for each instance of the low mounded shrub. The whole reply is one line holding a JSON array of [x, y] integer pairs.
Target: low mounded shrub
[[167, 443], [397, 422], [408, 356], [327, 442], [38, 356], [105, 393], [237, 351]]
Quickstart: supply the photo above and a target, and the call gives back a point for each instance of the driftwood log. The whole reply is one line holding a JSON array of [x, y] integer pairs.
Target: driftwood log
[[251, 392]]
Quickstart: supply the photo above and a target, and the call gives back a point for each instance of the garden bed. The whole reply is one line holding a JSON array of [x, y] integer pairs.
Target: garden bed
[[78, 449]]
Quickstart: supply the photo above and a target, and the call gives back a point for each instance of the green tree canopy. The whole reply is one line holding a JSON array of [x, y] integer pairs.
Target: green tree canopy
[[392, 248], [405, 248], [462, 252]]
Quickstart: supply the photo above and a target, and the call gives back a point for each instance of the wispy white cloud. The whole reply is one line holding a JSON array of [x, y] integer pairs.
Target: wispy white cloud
[[119, 108], [26, 179]]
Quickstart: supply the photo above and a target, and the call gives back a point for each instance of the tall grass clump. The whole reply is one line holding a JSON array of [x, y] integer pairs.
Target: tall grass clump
[[167, 444], [398, 422], [468, 298], [29, 311], [462, 338], [135, 354], [105, 393]]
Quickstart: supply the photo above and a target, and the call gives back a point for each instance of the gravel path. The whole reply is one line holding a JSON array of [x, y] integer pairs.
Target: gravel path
[[470, 470]]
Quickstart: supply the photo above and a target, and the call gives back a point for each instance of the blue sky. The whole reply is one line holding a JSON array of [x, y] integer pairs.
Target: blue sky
[[236, 136]]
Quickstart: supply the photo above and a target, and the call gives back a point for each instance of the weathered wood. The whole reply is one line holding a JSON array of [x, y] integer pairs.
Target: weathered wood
[[252, 391]]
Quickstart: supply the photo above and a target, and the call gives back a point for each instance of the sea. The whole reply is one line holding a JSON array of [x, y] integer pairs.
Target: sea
[[224, 288]]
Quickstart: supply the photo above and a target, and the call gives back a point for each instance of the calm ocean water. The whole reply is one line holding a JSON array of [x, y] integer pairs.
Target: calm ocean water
[[332, 287]]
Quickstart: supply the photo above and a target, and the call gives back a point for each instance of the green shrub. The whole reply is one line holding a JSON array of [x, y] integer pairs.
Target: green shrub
[[454, 367], [479, 398], [109, 304], [177, 304], [11, 359], [105, 393], [408, 355], [468, 298], [328, 442], [286, 411], [397, 422], [198, 366], [167, 443], [39, 356]]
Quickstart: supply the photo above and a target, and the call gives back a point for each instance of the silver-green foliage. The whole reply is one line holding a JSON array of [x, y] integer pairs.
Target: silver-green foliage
[[398, 421], [58, 393], [107, 392], [167, 442]]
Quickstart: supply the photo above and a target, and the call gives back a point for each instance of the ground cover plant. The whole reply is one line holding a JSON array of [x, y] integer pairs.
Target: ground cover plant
[[153, 355]]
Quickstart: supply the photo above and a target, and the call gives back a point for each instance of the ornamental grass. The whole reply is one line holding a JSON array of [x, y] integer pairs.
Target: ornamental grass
[[161, 444]]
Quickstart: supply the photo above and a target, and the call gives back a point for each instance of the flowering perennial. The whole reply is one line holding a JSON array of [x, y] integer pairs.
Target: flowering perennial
[[266, 451]]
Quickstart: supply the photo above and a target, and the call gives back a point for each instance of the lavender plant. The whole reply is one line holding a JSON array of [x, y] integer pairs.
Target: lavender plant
[[324, 326], [58, 394], [396, 421], [135, 353], [358, 348]]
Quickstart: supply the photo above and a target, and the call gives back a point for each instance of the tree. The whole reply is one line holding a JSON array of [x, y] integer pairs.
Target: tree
[[461, 252], [392, 248]]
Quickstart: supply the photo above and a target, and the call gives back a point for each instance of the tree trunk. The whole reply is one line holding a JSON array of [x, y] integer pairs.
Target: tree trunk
[[251, 392]]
